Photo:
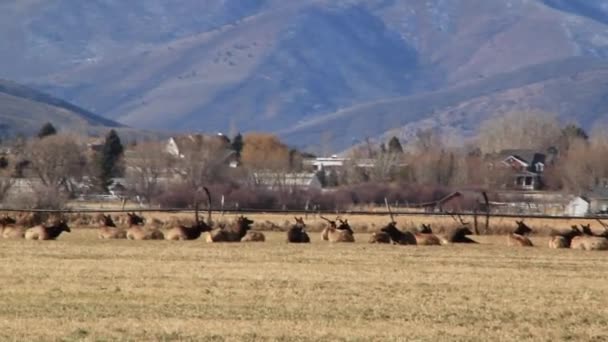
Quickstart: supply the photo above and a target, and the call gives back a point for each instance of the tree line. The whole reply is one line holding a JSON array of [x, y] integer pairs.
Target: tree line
[[418, 169]]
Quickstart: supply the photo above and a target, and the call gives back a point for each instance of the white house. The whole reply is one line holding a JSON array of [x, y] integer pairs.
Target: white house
[[577, 207], [176, 146], [335, 162], [275, 181]]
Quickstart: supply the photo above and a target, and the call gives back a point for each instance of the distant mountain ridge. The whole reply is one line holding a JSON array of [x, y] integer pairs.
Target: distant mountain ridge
[[24, 110], [313, 70]]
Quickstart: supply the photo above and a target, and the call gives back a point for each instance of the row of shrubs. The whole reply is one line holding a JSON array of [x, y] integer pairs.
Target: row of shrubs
[[237, 196]]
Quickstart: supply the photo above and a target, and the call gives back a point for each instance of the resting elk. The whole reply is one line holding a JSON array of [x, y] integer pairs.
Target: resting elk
[[335, 233], [563, 239], [518, 237], [460, 235], [9, 229], [47, 232], [137, 231], [182, 233], [108, 229], [396, 236], [234, 233], [425, 236], [296, 233], [590, 241]]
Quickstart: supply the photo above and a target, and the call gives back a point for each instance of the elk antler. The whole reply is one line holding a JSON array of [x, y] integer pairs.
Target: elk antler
[[388, 207], [328, 220], [603, 224], [462, 221]]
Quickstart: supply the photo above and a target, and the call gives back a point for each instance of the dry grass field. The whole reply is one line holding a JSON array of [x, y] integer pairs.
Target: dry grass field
[[82, 289]]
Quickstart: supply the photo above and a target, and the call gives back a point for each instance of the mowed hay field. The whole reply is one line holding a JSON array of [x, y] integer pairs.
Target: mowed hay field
[[82, 289]]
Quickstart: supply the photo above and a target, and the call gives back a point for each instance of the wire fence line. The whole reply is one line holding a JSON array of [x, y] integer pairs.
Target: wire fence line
[[301, 212]]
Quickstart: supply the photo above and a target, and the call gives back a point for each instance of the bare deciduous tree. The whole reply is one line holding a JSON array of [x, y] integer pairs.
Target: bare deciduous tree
[[56, 160], [519, 130], [6, 183], [145, 167], [203, 160], [582, 168], [265, 152]]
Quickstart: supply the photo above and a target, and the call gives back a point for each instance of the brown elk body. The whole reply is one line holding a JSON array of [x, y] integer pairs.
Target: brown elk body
[[379, 237], [44, 232], [9, 230], [589, 241], [518, 237], [559, 242], [13, 232], [233, 233], [459, 235], [397, 236], [181, 233], [335, 233], [339, 235], [563, 239], [297, 234], [108, 229], [137, 231], [253, 237], [425, 237]]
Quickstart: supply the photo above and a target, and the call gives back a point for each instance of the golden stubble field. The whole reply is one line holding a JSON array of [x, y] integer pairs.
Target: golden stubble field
[[82, 289]]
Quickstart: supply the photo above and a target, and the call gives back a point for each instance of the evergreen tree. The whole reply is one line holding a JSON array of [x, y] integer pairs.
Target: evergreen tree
[[109, 157], [394, 146], [570, 134], [237, 144], [46, 130], [3, 162], [332, 179], [574, 131], [322, 179]]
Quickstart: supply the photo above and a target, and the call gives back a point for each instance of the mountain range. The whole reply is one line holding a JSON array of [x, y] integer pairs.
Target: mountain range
[[317, 72], [23, 110]]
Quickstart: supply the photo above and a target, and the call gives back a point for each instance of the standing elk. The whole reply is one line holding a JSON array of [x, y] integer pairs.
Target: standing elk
[[233, 233], [296, 233], [518, 237], [137, 231], [425, 237], [44, 232], [108, 229], [182, 233], [335, 233], [563, 239]]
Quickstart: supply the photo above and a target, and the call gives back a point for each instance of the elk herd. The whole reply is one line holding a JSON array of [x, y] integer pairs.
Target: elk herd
[[335, 231]]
